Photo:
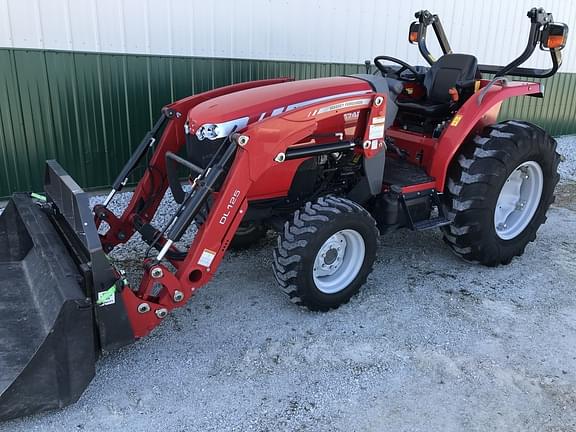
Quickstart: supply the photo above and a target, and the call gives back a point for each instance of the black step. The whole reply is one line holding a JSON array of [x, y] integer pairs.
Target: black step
[[403, 173], [431, 223]]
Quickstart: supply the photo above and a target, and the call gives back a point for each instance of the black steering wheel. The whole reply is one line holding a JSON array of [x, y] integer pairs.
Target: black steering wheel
[[389, 72]]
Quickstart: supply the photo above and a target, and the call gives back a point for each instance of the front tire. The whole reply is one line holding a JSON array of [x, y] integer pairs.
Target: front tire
[[247, 235], [325, 253], [499, 190]]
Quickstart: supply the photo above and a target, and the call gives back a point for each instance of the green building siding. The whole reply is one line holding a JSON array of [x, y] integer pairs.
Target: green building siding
[[556, 112], [89, 110]]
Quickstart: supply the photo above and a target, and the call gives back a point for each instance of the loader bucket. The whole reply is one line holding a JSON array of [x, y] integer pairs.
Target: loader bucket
[[47, 353], [51, 334]]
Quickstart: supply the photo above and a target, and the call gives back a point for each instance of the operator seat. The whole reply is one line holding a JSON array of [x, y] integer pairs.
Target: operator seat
[[449, 71]]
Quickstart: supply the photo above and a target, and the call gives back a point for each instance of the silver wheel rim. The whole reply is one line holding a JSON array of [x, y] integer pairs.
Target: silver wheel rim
[[518, 200], [339, 261]]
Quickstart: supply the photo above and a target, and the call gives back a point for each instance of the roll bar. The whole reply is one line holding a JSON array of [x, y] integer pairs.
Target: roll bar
[[541, 27], [425, 18]]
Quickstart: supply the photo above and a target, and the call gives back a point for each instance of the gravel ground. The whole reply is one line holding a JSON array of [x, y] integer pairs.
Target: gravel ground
[[567, 148], [430, 344]]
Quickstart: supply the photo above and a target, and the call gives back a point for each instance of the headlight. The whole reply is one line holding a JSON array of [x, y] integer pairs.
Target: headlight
[[214, 131], [209, 131]]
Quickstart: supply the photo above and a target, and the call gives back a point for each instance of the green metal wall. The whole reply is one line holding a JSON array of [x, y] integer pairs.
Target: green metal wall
[[556, 112], [89, 110]]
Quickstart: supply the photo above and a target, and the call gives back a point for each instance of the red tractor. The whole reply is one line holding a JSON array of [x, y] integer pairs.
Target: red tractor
[[329, 163]]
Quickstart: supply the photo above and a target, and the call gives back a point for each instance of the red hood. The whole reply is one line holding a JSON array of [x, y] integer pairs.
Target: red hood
[[247, 106]]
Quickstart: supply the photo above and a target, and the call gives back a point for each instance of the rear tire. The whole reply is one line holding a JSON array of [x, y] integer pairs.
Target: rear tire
[[493, 220], [325, 253]]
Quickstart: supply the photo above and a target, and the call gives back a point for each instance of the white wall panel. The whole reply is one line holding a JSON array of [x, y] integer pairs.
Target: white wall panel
[[84, 25], [5, 24], [135, 27], [301, 30], [201, 27], [110, 25], [24, 23], [54, 24]]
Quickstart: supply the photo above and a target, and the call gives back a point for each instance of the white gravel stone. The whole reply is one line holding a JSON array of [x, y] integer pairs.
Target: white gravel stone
[[567, 149]]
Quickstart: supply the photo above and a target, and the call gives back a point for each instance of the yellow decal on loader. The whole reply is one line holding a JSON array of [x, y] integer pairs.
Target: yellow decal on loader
[[456, 120], [476, 85]]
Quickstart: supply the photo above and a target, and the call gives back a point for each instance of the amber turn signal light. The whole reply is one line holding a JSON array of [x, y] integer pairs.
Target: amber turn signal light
[[414, 31], [556, 42], [554, 36]]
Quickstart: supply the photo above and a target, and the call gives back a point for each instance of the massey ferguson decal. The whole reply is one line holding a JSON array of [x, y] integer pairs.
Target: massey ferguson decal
[[341, 105]]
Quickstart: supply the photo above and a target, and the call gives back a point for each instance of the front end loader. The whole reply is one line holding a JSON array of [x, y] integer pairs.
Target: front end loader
[[329, 164]]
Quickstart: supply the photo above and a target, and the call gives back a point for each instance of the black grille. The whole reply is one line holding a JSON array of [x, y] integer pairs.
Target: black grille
[[200, 152]]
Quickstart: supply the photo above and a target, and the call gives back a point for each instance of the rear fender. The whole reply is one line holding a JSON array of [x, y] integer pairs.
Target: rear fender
[[477, 112]]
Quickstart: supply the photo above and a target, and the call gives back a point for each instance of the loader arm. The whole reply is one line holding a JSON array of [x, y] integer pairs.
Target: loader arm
[[152, 186], [250, 160]]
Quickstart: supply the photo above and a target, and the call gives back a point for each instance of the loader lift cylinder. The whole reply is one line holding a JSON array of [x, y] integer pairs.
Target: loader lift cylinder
[[147, 142], [200, 192]]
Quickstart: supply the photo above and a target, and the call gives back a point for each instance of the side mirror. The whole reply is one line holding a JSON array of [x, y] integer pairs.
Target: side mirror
[[414, 31], [554, 36]]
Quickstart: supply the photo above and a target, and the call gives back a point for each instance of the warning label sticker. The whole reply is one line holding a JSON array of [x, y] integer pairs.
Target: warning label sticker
[[106, 298], [456, 120], [206, 258], [376, 131]]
